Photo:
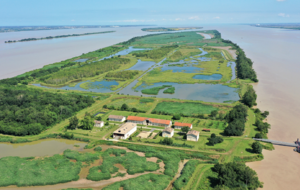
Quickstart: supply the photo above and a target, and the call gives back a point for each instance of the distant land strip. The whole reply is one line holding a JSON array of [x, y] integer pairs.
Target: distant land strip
[[52, 37]]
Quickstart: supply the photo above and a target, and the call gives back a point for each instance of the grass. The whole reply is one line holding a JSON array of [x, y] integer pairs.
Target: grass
[[41, 171], [186, 174], [154, 90], [170, 90], [144, 182], [187, 109], [208, 178], [130, 160], [131, 102]]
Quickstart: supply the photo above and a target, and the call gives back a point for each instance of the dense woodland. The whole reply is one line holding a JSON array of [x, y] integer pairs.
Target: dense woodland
[[88, 70], [156, 53], [29, 112], [243, 64]]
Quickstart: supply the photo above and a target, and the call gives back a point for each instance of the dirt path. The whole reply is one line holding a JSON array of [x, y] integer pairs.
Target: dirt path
[[227, 48], [153, 107], [181, 166], [199, 179]]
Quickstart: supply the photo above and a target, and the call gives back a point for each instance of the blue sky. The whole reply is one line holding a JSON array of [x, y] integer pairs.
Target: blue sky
[[154, 12]]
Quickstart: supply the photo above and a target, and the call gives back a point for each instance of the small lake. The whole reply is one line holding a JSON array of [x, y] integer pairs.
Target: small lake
[[205, 92], [47, 147], [97, 86], [208, 77], [142, 65], [81, 60], [125, 52]]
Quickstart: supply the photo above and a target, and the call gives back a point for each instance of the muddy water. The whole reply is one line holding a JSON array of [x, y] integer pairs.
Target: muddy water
[[17, 58], [275, 53], [46, 147]]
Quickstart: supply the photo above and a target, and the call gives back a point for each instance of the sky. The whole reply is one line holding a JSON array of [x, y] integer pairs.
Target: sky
[[146, 12]]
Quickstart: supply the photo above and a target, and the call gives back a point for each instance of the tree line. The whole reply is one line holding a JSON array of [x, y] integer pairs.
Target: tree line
[[243, 64], [29, 112], [128, 74], [236, 119]]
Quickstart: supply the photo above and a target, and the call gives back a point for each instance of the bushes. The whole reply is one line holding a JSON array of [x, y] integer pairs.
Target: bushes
[[170, 90], [47, 171], [154, 90], [131, 161], [214, 139], [186, 174], [98, 149], [81, 157], [257, 147], [234, 175], [122, 74], [144, 182]]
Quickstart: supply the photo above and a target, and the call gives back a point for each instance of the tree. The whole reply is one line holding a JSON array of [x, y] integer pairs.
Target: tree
[[99, 118], [134, 110], [73, 123], [185, 129], [105, 106], [258, 136], [106, 123], [87, 122], [214, 113], [166, 141], [214, 139], [176, 117], [257, 147], [249, 98], [213, 135], [124, 107]]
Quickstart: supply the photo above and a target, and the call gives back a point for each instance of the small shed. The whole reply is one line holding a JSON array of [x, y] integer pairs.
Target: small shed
[[168, 132], [206, 130], [118, 118], [98, 123], [192, 135]]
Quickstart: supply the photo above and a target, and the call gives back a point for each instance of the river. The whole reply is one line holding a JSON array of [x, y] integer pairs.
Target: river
[[273, 51]]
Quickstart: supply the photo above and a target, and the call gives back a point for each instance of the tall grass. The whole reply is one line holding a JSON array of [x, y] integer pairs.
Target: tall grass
[[148, 181], [186, 174], [81, 157]]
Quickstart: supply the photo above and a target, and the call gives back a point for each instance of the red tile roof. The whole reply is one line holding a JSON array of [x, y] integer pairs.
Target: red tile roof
[[160, 121], [136, 118], [183, 124]]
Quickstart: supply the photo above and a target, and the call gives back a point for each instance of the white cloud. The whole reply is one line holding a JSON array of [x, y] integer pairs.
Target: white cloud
[[179, 19], [283, 15], [195, 18], [72, 20], [217, 17], [280, 0]]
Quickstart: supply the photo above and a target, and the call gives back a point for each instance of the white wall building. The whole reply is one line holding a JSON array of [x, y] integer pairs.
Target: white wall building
[[125, 131], [98, 123]]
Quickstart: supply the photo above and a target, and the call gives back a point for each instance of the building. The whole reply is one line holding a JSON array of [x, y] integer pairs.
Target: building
[[178, 125], [149, 121], [125, 131], [206, 130], [137, 120], [118, 118], [168, 132], [98, 123], [159, 122], [192, 135]]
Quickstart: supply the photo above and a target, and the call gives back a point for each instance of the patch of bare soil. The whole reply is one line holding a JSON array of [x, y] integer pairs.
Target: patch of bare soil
[[230, 51], [144, 134]]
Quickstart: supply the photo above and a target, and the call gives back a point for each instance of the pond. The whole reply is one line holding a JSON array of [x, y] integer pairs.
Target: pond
[[142, 65], [97, 86], [81, 60], [125, 52], [205, 92], [46, 147], [208, 77]]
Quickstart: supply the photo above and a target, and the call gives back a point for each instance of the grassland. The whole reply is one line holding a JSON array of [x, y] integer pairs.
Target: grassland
[[155, 90]]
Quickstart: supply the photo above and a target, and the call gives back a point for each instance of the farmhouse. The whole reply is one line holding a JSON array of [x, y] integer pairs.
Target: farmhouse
[[149, 121], [168, 132], [192, 135], [125, 131], [118, 118], [98, 123], [137, 120], [178, 125]]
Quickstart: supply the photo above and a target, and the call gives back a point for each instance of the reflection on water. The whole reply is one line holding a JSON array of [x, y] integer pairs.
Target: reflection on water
[[208, 77], [232, 64], [103, 86], [81, 60], [204, 92], [142, 65], [46, 147], [125, 52]]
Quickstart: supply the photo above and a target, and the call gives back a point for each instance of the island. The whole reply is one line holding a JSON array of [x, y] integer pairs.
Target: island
[[165, 29], [160, 111], [292, 26], [60, 36]]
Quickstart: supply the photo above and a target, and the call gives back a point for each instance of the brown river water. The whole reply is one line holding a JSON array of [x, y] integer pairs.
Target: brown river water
[[275, 53]]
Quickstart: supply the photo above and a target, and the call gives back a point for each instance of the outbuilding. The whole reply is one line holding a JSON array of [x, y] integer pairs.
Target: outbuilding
[[125, 131], [137, 120], [118, 118], [98, 123], [179, 125], [168, 132], [192, 135]]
